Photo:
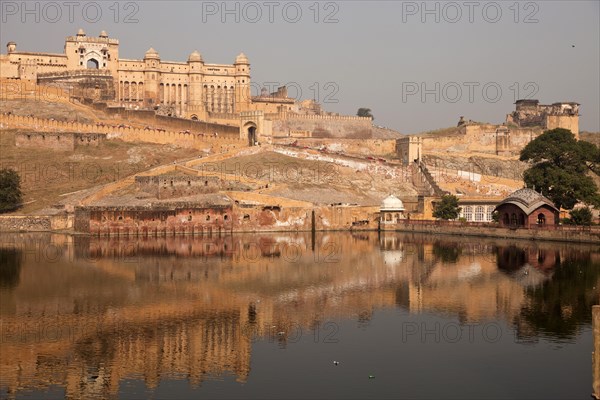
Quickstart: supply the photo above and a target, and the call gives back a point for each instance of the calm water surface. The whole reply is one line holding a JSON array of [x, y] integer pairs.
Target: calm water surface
[[266, 316]]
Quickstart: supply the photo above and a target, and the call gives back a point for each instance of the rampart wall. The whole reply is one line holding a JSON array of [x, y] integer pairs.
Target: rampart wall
[[322, 126], [491, 139], [58, 141], [224, 141]]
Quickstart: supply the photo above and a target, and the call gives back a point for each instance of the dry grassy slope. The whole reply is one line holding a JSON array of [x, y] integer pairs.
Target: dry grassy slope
[[48, 174], [314, 181], [62, 111]]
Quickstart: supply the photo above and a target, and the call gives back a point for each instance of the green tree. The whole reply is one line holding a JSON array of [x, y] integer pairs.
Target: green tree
[[365, 112], [496, 216], [447, 208], [10, 190], [581, 216], [559, 168]]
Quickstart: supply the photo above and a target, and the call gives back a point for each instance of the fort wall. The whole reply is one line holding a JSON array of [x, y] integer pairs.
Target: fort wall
[[58, 141], [491, 139], [35, 223], [322, 126], [225, 140], [191, 219]]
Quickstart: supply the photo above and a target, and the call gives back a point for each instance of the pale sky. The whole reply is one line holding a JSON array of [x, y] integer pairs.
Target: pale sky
[[395, 57]]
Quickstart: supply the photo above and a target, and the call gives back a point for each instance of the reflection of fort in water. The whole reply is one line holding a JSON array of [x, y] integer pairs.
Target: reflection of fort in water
[[183, 307]]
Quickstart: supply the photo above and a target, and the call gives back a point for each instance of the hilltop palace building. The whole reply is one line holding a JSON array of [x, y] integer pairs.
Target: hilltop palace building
[[191, 89], [90, 69]]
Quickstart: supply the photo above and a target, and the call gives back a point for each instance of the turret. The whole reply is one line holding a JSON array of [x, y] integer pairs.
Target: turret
[[196, 82], [11, 47], [242, 83], [151, 77]]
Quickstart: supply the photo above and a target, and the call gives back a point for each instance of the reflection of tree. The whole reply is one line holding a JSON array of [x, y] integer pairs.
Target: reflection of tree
[[511, 258], [447, 252], [10, 267], [559, 306]]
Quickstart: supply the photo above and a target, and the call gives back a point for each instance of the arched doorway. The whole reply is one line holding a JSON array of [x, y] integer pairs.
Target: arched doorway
[[252, 135], [541, 219], [93, 64]]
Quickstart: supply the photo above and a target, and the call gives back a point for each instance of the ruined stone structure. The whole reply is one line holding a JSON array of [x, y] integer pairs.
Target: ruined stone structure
[[178, 218], [529, 113], [58, 141], [170, 186]]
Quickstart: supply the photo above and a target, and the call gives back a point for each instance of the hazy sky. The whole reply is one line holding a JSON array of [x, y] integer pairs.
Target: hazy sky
[[417, 65]]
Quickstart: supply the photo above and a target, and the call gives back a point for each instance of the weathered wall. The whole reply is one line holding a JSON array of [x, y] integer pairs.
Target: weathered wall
[[361, 147], [322, 126], [224, 142], [169, 186], [32, 223], [570, 122], [409, 149], [563, 234], [197, 220], [57, 141], [224, 124], [492, 139]]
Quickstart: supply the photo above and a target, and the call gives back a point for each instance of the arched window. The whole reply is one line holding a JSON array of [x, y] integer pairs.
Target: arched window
[[490, 212], [479, 213], [469, 213], [92, 64], [506, 219], [513, 219]]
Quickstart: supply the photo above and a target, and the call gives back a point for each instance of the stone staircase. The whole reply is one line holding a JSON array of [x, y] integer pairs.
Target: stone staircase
[[424, 182]]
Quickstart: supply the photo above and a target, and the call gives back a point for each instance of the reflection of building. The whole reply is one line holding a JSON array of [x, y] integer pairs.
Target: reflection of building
[[182, 307], [526, 208], [596, 352]]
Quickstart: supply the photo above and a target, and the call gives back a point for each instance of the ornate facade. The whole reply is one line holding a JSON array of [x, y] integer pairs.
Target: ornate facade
[[189, 89]]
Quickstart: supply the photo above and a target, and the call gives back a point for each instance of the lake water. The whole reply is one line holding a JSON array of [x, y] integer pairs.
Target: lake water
[[268, 315]]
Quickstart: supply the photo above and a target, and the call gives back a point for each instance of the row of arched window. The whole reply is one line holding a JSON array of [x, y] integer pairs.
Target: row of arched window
[[477, 213], [131, 91], [219, 99]]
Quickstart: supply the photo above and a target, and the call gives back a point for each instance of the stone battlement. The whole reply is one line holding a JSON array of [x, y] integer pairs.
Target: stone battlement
[[58, 141], [125, 133]]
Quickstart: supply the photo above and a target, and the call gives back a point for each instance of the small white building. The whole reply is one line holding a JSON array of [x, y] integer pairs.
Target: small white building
[[392, 210]]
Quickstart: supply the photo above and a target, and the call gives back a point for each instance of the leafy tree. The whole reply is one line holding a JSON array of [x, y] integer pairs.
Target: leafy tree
[[447, 208], [10, 190], [581, 216], [365, 112], [560, 167], [496, 216]]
